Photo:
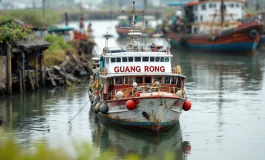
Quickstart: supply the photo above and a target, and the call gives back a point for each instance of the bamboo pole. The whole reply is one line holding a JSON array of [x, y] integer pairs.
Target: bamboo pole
[[9, 70]]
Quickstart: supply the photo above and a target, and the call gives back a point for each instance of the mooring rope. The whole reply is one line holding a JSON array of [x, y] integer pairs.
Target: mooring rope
[[79, 111]]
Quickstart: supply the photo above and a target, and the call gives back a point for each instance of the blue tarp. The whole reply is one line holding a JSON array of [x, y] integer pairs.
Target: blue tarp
[[176, 3]]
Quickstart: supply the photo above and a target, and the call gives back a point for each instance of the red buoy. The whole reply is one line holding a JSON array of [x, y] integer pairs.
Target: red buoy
[[186, 105], [130, 105], [96, 93]]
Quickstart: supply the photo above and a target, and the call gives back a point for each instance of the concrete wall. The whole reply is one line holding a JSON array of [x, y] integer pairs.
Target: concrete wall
[[2, 71]]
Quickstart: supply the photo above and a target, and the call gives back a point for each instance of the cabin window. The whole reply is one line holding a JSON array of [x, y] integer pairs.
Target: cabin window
[[128, 80], [152, 59], [157, 59], [232, 5], [203, 6], [118, 80], [118, 59], [214, 5], [137, 59], [125, 80], [201, 18], [159, 79], [174, 80], [124, 59], [145, 59], [162, 59], [210, 5], [147, 80], [139, 79], [113, 60], [167, 80], [130, 59], [166, 59], [237, 5]]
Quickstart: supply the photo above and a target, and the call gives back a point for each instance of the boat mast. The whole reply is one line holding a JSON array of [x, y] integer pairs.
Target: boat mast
[[222, 13], [133, 23]]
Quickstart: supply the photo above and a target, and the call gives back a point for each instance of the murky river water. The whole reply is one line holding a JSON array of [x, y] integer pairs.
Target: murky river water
[[226, 121]]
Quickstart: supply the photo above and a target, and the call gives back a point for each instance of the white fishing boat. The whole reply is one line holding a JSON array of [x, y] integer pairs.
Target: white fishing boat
[[137, 86]]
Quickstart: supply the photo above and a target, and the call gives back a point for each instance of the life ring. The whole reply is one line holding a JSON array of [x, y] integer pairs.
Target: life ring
[[253, 33]]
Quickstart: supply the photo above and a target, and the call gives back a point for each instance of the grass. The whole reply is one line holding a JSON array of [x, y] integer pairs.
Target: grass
[[10, 150], [34, 16], [55, 54]]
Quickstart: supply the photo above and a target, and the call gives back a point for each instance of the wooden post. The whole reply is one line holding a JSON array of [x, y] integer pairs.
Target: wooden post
[[9, 70], [42, 68], [37, 69], [19, 69], [23, 70]]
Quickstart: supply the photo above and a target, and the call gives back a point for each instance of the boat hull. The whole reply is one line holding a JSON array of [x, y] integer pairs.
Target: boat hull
[[155, 114], [234, 40]]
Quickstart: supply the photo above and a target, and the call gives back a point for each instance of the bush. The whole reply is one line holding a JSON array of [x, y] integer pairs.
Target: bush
[[55, 54]]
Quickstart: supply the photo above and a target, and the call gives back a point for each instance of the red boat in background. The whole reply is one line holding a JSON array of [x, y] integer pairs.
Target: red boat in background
[[244, 38], [211, 28]]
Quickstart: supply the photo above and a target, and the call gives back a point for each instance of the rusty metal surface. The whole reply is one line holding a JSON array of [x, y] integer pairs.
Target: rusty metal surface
[[150, 113]]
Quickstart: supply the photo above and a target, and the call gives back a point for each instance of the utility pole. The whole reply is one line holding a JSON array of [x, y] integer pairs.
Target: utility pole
[[43, 17]]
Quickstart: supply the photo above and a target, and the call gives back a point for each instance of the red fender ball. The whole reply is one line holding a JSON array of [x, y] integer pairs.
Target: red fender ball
[[130, 105], [187, 105]]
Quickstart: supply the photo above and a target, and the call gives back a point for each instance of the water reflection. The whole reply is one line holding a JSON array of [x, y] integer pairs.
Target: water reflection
[[127, 141]]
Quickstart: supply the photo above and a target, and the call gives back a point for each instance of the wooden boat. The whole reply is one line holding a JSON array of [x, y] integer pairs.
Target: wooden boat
[[137, 86], [123, 28], [225, 36]]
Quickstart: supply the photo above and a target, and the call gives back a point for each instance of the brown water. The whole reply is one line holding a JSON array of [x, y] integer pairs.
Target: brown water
[[226, 120]]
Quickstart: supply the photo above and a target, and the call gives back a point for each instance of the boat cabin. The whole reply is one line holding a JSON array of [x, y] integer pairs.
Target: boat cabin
[[205, 16]]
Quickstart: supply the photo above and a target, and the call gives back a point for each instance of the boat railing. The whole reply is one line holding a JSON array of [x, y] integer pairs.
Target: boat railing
[[136, 92], [103, 71]]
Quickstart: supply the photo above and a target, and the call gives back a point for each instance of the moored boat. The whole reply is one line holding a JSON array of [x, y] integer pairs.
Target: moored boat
[[137, 86], [214, 29]]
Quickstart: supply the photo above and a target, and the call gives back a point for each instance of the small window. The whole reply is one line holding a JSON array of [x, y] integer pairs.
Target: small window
[[130, 59], [232, 5], [157, 59], [201, 18], [210, 5], [167, 80], [125, 80], [162, 59], [159, 79], [139, 79], [118, 59], [214, 5], [152, 59], [113, 59], [145, 59], [124, 59], [128, 80], [147, 80], [195, 8], [137, 59], [203, 6], [237, 5], [166, 59], [118, 80], [174, 80]]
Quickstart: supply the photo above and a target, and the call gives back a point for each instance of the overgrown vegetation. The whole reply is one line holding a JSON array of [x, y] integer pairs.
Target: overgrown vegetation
[[55, 54], [10, 150], [34, 16], [11, 32]]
